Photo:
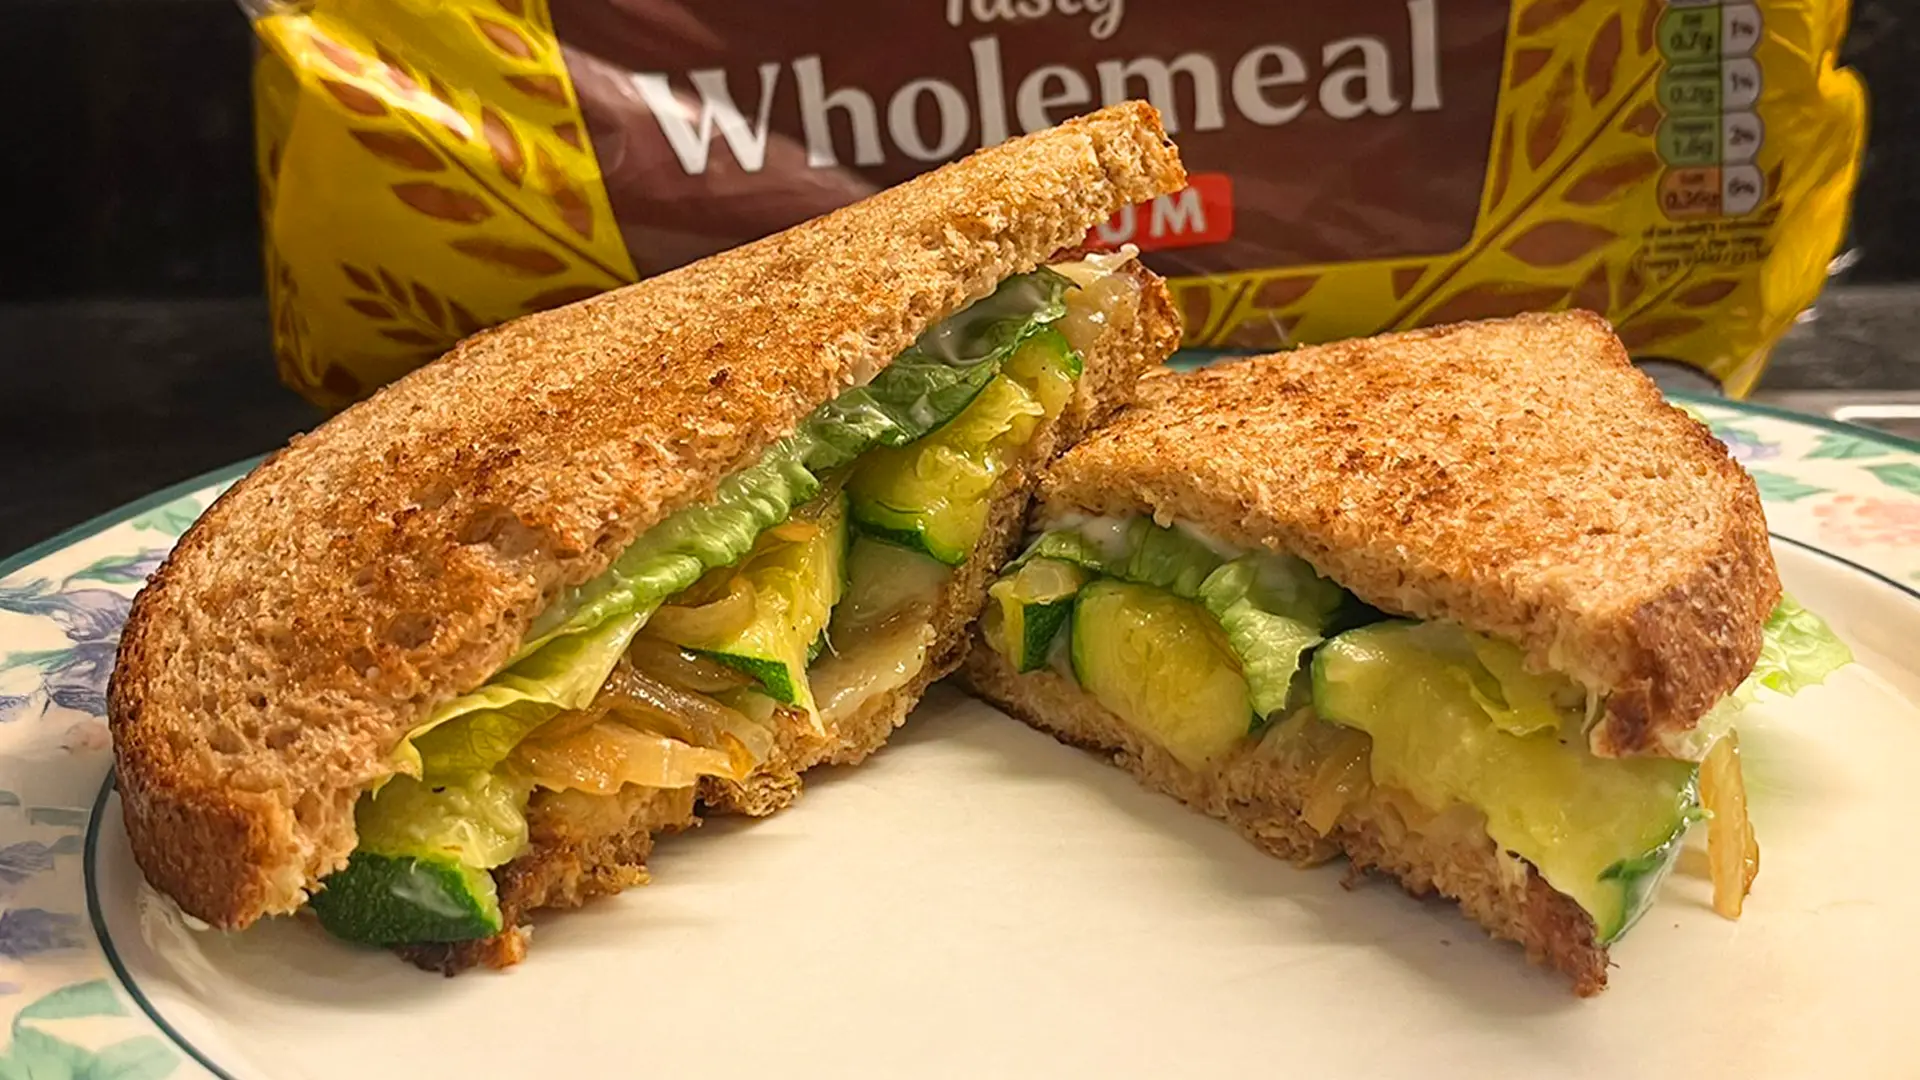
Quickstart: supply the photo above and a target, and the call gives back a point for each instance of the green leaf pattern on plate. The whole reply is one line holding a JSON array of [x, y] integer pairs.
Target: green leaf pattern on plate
[[1779, 487], [1904, 475], [1832, 445], [63, 1014], [171, 519], [35, 1053]]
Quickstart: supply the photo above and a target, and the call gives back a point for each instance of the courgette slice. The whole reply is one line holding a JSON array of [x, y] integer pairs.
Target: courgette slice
[[933, 495], [797, 573], [1163, 665], [421, 870], [885, 580], [1030, 608], [1603, 831], [408, 899]]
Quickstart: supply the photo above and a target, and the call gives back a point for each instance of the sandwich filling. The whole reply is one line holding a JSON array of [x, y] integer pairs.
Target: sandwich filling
[[1210, 651], [801, 590]]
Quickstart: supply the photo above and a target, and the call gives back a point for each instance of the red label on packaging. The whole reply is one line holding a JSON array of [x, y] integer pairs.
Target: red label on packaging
[[1200, 213]]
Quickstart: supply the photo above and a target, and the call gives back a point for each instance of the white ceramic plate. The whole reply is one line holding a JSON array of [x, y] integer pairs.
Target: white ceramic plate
[[979, 900]]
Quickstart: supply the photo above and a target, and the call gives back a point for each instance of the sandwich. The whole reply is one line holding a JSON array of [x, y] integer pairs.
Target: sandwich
[[1471, 606], [464, 651]]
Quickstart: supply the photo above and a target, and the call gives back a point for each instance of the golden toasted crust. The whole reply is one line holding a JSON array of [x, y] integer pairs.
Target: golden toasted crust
[[1261, 790], [393, 559], [576, 857], [1517, 476]]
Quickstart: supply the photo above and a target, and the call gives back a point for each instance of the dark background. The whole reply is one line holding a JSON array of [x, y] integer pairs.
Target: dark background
[[133, 345]]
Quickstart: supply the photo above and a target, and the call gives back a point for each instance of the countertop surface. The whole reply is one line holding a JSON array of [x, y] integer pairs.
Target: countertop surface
[[106, 401], [133, 344]]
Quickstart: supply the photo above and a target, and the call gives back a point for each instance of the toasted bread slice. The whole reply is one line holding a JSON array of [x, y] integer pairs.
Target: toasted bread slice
[[393, 559], [1517, 476], [584, 847]]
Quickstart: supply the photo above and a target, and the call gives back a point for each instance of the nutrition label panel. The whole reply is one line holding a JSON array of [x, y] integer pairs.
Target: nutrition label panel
[[1709, 90]]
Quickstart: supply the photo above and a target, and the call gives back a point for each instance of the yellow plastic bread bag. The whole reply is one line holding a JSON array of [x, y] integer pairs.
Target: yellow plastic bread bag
[[432, 167]]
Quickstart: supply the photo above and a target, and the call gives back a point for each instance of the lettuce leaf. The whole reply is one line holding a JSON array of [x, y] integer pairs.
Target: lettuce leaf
[[935, 379], [479, 821], [572, 646], [1797, 650], [493, 719], [1169, 559], [1272, 607], [1268, 644], [1288, 585], [1063, 545], [673, 555]]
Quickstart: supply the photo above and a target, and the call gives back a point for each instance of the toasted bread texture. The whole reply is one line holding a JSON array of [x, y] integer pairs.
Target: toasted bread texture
[[1261, 789], [394, 558], [1517, 476], [583, 848]]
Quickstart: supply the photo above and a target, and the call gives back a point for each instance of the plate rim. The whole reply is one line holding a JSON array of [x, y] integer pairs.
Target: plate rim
[[127, 984], [120, 515], [1842, 551], [107, 519], [97, 921], [1777, 412]]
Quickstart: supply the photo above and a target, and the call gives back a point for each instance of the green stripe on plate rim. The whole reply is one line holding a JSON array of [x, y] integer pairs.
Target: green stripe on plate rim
[[1825, 423], [102, 522]]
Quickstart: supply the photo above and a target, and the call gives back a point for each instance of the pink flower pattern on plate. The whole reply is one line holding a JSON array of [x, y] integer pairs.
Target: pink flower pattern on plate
[[1866, 521]]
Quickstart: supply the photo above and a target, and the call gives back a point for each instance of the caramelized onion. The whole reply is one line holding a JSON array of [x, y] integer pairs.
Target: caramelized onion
[[567, 723], [606, 756], [1344, 777], [670, 664], [1106, 296], [1733, 851], [637, 699], [879, 662], [752, 704], [714, 620]]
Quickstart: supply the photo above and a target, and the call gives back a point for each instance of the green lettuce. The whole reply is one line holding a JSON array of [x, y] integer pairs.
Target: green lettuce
[[574, 644], [478, 821], [1166, 558], [1272, 607], [1797, 650], [1064, 545], [1268, 644], [492, 720]]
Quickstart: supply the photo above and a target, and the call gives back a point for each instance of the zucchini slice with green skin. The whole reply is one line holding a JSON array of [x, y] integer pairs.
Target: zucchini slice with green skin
[[932, 495], [1031, 607], [1272, 607], [797, 572], [1161, 664], [407, 899], [1603, 831], [884, 580], [421, 870]]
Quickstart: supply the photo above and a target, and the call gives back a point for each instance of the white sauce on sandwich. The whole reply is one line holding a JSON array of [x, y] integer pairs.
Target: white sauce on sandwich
[[1108, 532]]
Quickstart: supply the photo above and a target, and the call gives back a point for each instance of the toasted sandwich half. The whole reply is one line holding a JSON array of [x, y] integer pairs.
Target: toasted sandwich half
[[465, 650], [1469, 605]]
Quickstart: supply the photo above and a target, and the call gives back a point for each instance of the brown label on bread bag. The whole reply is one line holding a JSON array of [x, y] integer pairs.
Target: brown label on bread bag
[[1320, 132], [1681, 166]]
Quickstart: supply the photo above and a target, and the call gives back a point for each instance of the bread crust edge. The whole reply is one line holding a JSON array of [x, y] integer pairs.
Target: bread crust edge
[[1511, 902]]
